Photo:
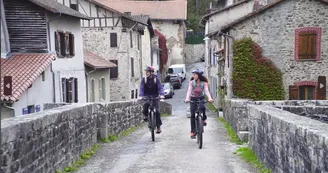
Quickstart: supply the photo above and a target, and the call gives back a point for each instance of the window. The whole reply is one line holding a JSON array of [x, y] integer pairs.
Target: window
[[132, 67], [308, 43], [303, 91], [132, 94], [92, 90], [136, 93], [113, 39], [30, 109], [102, 89], [138, 41], [43, 76], [114, 71], [306, 92], [70, 90], [131, 40], [64, 44]]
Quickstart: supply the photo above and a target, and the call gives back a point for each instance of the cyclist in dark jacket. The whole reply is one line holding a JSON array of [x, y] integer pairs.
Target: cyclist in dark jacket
[[151, 86]]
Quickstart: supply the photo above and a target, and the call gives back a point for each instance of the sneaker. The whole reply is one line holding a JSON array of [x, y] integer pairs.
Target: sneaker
[[192, 135], [158, 130], [204, 122]]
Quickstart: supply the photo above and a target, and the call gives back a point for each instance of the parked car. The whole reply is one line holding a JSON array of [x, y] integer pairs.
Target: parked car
[[178, 70], [175, 80], [168, 90]]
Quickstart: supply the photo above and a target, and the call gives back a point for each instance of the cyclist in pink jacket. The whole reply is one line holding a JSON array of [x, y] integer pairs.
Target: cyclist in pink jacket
[[198, 88]]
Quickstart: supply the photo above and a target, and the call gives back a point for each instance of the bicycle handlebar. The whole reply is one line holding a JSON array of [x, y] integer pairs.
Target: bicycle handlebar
[[204, 101]]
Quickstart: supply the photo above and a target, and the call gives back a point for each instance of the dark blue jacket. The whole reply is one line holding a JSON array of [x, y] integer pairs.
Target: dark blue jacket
[[150, 88]]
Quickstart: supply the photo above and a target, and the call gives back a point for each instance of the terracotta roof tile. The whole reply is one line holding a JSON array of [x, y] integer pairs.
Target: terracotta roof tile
[[97, 62], [24, 69], [164, 10]]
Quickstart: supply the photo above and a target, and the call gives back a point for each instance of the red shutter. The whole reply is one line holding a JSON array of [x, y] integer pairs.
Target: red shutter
[[57, 43], [76, 90], [72, 44], [293, 92]]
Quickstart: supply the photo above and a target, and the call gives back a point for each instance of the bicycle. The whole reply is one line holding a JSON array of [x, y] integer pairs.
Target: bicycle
[[199, 122], [151, 115]]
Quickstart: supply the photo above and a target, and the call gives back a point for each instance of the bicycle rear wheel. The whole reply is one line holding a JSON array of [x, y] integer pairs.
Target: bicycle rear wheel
[[153, 124], [200, 132]]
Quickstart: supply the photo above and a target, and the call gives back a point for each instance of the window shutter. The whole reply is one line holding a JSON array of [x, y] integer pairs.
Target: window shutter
[[76, 93], [132, 67], [302, 46], [57, 43], [113, 39], [114, 71], [64, 89], [62, 43], [293, 92], [131, 41], [312, 52], [69, 92], [67, 46], [72, 44], [307, 45], [136, 93]]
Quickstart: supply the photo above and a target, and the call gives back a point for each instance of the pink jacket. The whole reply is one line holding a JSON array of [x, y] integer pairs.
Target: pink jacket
[[205, 88]]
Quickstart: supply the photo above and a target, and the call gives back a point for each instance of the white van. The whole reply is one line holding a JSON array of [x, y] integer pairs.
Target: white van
[[178, 69]]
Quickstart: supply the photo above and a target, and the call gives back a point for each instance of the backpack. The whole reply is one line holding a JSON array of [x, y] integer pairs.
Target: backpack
[[201, 85], [155, 80]]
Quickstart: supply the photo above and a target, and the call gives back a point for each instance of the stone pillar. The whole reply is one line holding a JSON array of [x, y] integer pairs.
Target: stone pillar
[[103, 125]]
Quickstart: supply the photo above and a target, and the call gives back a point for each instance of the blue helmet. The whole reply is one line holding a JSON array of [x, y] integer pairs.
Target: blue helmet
[[198, 71], [149, 68]]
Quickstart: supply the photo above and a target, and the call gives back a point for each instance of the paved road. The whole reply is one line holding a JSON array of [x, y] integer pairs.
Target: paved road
[[173, 150]]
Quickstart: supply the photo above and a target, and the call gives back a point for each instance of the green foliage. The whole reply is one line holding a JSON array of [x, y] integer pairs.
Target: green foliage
[[193, 16], [254, 76], [232, 135], [250, 157], [113, 138], [165, 115], [194, 39]]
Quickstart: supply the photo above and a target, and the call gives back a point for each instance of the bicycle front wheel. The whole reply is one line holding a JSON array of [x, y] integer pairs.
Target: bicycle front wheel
[[153, 125], [200, 132]]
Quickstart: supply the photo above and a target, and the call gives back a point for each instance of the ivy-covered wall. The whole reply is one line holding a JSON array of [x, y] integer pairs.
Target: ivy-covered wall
[[254, 76]]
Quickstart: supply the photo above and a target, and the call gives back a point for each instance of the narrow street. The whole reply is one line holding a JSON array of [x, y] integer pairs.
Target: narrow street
[[173, 150]]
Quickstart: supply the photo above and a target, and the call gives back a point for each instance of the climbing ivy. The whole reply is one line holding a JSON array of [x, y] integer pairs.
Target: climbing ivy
[[254, 76]]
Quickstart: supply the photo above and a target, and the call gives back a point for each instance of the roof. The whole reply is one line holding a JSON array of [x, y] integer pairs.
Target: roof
[[160, 10], [141, 18], [221, 10], [107, 7], [254, 13], [56, 7], [24, 69], [97, 62]]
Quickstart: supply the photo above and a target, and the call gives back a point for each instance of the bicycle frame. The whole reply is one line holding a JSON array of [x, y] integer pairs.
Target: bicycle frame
[[199, 115]]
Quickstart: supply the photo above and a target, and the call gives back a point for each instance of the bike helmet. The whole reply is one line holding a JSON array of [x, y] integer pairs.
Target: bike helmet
[[149, 68], [198, 71]]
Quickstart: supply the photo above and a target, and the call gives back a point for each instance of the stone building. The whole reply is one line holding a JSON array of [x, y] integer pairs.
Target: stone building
[[168, 17], [40, 56], [116, 37], [293, 35]]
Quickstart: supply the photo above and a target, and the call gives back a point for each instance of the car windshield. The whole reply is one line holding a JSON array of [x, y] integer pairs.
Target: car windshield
[[175, 70], [166, 86]]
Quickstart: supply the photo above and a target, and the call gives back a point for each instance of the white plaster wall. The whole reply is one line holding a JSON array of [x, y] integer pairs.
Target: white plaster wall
[[146, 48], [41, 92], [175, 40], [218, 20], [96, 75], [69, 67]]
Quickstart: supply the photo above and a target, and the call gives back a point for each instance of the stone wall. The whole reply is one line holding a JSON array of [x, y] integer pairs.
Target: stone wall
[[319, 113], [175, 39], [50, 140], [47, 106], [274, 31], [194, 52], [286, 142], [98, 41], [236, 111]]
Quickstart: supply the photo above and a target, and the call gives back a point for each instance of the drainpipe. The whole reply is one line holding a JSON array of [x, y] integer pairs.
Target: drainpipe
[[230, 64], [53, 74]]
